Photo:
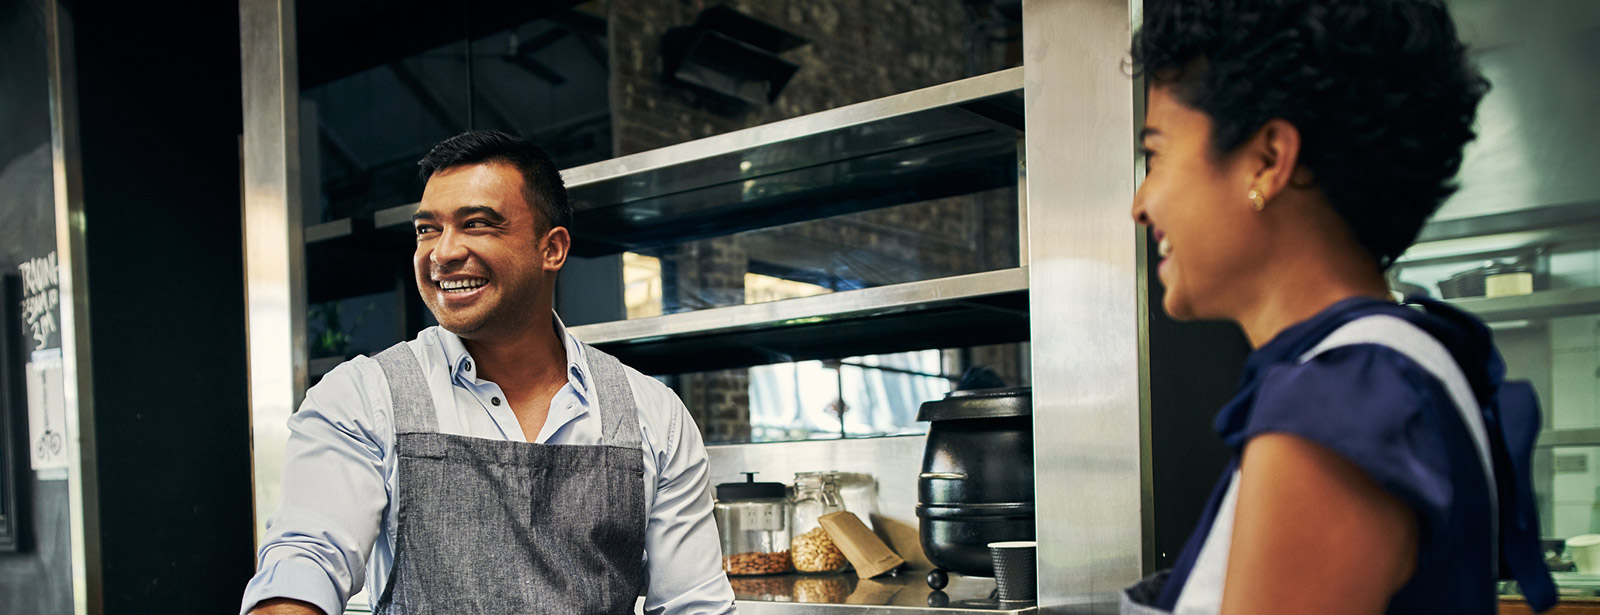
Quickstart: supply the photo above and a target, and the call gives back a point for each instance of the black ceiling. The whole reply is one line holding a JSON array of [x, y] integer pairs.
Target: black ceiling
[[343, 37]]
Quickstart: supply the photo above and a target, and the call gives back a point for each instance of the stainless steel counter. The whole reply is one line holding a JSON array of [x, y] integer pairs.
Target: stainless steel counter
[[844, 594]]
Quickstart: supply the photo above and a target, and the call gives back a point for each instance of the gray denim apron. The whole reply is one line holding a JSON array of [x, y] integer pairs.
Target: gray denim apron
[[492, 526]]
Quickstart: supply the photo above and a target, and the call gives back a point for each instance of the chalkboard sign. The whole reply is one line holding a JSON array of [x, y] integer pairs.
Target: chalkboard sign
[[13, 401]]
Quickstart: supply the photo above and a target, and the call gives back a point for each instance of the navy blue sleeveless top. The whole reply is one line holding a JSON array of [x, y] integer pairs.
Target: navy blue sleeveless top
[[1397, 422]]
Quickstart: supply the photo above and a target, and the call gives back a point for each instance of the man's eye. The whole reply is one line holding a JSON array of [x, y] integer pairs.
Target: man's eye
[[423, 230]]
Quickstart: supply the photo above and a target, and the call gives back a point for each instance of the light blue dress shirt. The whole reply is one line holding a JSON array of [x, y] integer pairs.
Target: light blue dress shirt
[[336, 506]]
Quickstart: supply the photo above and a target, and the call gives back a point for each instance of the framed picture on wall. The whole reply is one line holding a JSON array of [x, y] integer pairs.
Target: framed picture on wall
[[13, 413]]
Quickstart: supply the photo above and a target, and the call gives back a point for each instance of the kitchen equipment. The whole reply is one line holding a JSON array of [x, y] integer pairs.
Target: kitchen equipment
[[976, 485], [1469, 283], [812, 550], [1502, 277], [753, 522]]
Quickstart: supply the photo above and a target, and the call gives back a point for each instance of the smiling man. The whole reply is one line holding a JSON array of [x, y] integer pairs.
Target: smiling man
[[494, 464]]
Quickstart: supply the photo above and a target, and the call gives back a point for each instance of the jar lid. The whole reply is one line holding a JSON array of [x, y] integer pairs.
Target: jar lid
[[979, 404], [750, 490]]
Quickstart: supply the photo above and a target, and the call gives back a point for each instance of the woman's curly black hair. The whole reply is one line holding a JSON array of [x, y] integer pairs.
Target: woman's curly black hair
[[1381, 91]]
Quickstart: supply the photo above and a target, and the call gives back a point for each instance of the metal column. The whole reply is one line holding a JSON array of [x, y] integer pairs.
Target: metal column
[[273, 238], [83, 490], [1086, 285]]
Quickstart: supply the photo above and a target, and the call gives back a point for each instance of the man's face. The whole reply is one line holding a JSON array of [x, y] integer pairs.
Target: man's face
[[482, 253]]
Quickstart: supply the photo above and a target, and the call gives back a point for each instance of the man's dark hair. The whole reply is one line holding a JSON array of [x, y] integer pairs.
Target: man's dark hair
[[1381, 91], [541, 181]]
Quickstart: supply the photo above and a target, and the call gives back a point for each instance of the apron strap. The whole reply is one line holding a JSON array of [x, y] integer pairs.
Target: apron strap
[[409, 398], [619, 414], [1427, 352]]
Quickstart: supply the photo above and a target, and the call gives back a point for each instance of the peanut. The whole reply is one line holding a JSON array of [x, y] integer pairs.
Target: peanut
[[814, 551], [823, 590]]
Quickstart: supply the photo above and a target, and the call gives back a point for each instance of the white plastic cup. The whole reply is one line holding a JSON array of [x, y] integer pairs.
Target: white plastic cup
[[1585, 551]]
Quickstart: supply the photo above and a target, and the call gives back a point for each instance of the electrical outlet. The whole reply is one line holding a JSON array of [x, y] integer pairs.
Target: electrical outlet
[[1572, 463]]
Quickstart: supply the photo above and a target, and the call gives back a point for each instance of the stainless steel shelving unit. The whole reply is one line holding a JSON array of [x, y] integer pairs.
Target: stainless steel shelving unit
[[1540, 305], [954, 138], [980, 308]]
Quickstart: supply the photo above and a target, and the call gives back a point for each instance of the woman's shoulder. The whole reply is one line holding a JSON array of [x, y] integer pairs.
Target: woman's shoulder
[[1384, 395]]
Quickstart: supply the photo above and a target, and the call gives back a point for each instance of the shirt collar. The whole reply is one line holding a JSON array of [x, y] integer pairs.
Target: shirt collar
[[464, 370]]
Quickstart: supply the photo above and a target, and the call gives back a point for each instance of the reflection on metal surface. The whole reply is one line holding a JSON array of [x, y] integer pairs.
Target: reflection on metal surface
[[77, 372], [845, 594], [981, 308], [1084, 294], [274, 274], [1540, 305], [951, 139]]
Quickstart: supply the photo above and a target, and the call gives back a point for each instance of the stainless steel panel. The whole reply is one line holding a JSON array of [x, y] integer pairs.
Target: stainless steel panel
[[1536, 127], [274, 274], [77, 370], [1085, 279]]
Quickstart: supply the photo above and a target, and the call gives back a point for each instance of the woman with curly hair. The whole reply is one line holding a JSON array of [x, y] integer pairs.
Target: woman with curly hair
[[1294, 150]]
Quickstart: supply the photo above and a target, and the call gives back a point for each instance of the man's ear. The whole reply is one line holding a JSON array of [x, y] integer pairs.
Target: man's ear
[[556, 244]]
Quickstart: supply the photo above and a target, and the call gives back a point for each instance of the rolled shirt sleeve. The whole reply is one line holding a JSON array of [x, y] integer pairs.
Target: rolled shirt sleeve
[[333, 498], [683, 555]]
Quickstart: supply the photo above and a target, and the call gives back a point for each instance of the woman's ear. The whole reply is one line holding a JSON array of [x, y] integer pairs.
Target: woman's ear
[[1273, 155]]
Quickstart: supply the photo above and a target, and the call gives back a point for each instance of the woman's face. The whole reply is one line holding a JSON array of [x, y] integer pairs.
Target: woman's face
[[1196, 205]]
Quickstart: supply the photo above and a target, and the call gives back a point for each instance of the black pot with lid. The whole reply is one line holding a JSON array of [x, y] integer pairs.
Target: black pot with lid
[[976, 485]]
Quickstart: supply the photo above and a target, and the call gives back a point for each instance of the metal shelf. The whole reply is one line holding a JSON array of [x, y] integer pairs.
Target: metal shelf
[[1504, 234], [966, 310], [1541, 305], [951, 139], [1580, 436]]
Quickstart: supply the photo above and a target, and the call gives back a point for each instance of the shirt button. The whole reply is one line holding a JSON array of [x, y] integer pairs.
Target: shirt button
[[494, 400], [467, 366]]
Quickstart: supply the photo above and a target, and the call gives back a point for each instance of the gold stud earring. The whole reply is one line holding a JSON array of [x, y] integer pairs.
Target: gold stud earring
[[1255, 197]]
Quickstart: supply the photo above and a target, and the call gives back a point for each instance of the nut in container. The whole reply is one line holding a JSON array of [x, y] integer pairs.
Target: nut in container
[[753, 522], [811, 549]]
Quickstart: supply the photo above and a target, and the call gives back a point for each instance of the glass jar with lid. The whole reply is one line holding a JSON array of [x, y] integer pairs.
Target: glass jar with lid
[[753, 521], [812, 550], [858, 491]]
